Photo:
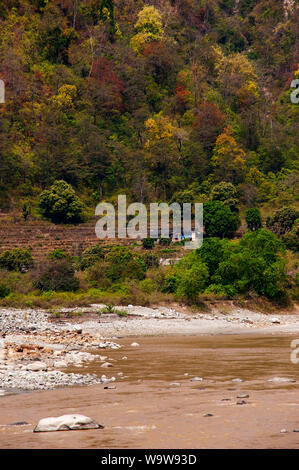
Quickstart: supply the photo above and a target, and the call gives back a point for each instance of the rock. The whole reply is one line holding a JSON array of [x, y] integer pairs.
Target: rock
[[175, 384], [295, 430], [135, 345], [241, 402], [19, 423], [60, 364], [207, 415], [225, 399], [282, 380], [37, 366], [275, 320], [124, 358], [112, 387], [196, 379], [283, 431], [66, 423], [237, 380], [107, 364], [244, 395]]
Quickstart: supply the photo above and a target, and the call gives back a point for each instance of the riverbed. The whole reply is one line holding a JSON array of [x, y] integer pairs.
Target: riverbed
[[156, 403]]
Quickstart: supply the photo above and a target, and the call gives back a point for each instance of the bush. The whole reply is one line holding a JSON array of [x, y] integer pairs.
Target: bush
[[253, 218], [123, 264], [151, 260], [4, 291], [219, 220], [17, 259], [283, 220], [60, 204], [148, 286], [57, 276], [91, 256], [59, 254], [148, 243], [164, 241]]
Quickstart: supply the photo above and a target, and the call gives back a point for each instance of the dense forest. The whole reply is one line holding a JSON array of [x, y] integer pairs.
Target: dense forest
[[162, 100], [153, 98]]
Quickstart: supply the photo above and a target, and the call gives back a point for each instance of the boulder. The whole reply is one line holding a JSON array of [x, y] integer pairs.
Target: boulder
[[66, 423], [282, 380], [37, 366]]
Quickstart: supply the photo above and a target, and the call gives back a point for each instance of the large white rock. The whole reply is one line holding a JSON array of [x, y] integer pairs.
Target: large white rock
[[66, 423], [37, 366]]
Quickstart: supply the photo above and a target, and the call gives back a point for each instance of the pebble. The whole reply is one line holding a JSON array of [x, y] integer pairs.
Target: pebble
[[135, 345], [107, 364], [245, 395], [282, 380], [241, 402], [176, 384], [237, 380], [196, 379], [207, 415], [283, 431]]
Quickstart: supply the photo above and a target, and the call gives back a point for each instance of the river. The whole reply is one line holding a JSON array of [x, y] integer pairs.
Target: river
[[156, 405]]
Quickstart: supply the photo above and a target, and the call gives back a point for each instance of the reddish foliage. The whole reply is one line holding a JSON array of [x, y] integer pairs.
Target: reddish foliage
[[106, 78]]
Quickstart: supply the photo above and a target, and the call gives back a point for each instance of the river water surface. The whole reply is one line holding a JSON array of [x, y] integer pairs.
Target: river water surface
[[156, 405]]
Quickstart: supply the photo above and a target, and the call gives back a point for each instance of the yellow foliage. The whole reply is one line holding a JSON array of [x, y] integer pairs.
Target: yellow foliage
[[228, 158], [148, 28], [65, 96]]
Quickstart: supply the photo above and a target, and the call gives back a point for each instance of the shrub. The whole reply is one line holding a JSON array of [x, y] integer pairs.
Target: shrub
[[4, 291], [58, 275], [91, 256], [123, 264], [17, 259], [219, 220], [151, 260], [164, 241], [59, 254], [148, 286], [283, 220], [60, 204], [253, 218], [192, 281], [148, 243]]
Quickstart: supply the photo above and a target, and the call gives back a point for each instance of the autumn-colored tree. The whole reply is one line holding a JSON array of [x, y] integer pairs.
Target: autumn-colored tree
[[228, 158]]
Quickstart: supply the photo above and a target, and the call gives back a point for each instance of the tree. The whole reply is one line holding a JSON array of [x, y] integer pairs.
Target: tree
[[228, 158], [282, 220], [17, 259], [226, 193], [60, 204], [148, 28], [59, 276], [253, 218], [219, 220]]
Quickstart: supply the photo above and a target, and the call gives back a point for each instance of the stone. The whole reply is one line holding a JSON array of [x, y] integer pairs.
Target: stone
[[283, 431], [237, 380], [296, 430], [275, 320], [135, 345], [60, 364], [107, 364], [112, 387], [207, 415], [196, 379], [241, 402], [37, 366], [66, 423], [282, 380], [175, 384], [244, 395]]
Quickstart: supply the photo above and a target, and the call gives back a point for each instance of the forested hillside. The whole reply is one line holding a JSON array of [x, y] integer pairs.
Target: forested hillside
[[158, 99], [182, 100]]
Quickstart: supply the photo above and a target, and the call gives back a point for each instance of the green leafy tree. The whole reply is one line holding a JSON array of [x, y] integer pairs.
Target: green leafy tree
[[60, 204], [17, 259], [219, 220], [226, 193], [253, 218]]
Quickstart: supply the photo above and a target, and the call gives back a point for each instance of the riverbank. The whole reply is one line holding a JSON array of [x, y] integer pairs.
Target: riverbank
[[37, 348]]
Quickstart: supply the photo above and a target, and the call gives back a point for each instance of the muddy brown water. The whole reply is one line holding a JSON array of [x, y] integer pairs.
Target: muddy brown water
[[147, 411]]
